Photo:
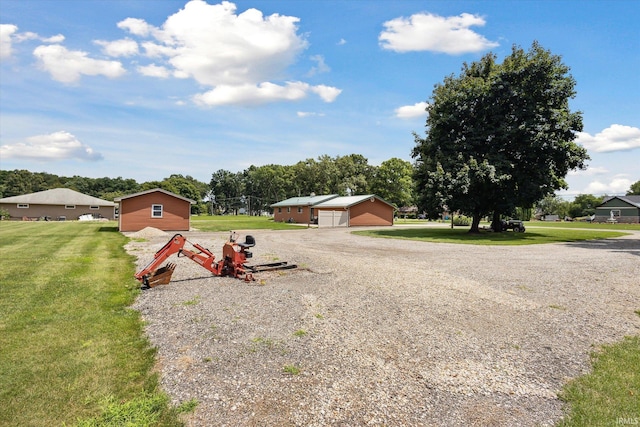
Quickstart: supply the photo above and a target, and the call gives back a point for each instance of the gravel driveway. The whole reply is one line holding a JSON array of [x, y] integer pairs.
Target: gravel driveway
[[387, 332]]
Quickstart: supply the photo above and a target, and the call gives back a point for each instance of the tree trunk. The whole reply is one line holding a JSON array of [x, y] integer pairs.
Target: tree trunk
[[496, 223], [475, 224]]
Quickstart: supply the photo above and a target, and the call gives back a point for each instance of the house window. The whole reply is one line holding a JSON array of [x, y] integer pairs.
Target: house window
[[156, 211], [69, 206], [94, 208], [615, 213], [279, 210], [23, 206], [289, 209], [299, 209]]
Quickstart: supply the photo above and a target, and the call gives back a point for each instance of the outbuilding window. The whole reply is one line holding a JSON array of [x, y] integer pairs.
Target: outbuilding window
[[69, 206], [23, 206], [299, 209], [156, 211], [94, 208]]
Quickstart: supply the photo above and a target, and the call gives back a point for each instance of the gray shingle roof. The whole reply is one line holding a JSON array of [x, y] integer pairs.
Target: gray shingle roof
[[632, 200], [57, 196]]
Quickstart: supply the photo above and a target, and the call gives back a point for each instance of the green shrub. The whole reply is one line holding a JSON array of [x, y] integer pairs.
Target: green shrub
[[461, 220]]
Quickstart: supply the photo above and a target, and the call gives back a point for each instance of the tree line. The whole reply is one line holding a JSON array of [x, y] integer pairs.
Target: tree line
[[257, 187], [253, 189]]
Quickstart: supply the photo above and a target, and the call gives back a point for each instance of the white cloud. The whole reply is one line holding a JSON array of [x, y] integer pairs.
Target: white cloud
[[619, 184], [238, 55], [136, 26], [217, 47], [590, 171], [58, 38], [412, 111], [321, 66], [55, 146], [342, 42], [122, 47], [154, 70], [9, 35], [249, 94], [68, 66], [327, 93], [426, 31], [20, 37], [309, 114], [6, 46], [614, 138]]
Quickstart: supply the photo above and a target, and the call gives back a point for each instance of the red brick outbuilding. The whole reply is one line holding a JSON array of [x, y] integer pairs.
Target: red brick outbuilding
[[156, 208], [353, 211]]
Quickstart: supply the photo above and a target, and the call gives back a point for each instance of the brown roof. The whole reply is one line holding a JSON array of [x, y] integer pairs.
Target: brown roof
[[154, 190]]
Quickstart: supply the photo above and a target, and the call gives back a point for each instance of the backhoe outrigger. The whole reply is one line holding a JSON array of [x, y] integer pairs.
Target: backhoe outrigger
[[234, 256]]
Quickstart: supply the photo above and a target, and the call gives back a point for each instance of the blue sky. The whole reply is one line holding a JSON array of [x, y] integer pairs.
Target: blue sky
[[149, 88]]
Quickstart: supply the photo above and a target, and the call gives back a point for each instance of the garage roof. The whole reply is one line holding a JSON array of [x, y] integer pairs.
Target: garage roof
[[348, 201], [57, 196], [304, 201], [154, 190]]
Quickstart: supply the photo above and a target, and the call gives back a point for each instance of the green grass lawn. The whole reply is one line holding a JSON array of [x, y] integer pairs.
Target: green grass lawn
[[72, 352], [610, 395], [535, 224], [580, 224], [462, 235], [70, 348], [239, 222]]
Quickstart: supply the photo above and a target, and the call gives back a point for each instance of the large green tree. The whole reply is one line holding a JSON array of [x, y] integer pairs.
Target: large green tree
[[634, 189], [393, 181], [499, 136], [227, 189]]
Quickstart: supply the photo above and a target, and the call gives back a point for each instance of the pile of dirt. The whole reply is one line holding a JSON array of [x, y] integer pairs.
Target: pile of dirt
[[147, 233]]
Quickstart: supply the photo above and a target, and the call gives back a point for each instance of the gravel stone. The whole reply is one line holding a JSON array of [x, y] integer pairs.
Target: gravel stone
[[387, 332]]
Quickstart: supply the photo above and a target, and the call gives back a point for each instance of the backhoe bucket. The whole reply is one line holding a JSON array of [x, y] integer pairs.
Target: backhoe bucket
[[161, 276]]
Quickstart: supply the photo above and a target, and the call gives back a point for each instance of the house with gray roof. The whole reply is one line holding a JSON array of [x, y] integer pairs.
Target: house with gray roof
[[57, 204], [299, 210], [353, 211], [619, 209], [335, 211]]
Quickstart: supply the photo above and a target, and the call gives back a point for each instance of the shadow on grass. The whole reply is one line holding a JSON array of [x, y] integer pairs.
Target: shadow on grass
[[108, 229]]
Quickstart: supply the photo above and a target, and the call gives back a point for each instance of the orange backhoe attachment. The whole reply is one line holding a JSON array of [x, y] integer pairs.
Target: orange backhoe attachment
[[234, 256], [161, 276]]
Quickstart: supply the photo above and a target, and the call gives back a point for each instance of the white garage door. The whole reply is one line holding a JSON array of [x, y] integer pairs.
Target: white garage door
[[333, 218]]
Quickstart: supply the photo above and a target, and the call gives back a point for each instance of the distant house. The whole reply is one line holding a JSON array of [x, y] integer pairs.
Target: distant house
[[57, 204], [156, 208], [625, 209], [351, 211], [334, 211], [299, 210]]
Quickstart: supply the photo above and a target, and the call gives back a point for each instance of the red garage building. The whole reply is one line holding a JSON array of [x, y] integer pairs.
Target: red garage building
[[156, 208], [353, 211], [334, 211]]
